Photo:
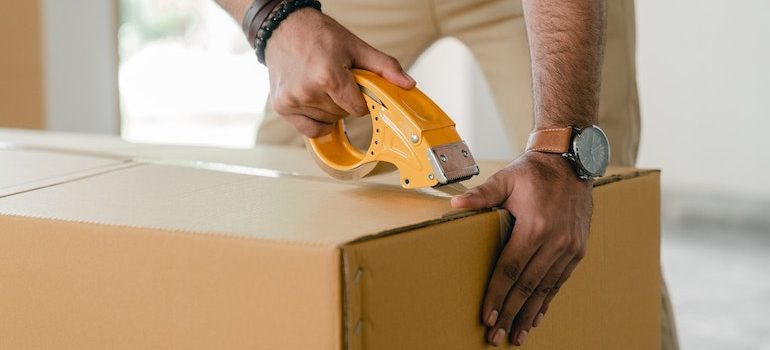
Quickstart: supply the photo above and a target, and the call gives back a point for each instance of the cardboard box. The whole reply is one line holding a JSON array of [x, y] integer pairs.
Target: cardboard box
[[121, 251]]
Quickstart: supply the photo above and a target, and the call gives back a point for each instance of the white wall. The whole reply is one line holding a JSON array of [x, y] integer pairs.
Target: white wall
[[80, 65], [704, 80]]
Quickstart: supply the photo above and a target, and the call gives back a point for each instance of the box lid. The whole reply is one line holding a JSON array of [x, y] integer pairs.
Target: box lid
[[271, 193], [28, 169]]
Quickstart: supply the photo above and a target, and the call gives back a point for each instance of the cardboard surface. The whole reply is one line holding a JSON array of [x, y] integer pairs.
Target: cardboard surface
[[25, 169], [153, 255], [427, 286], [21, 65], [72, 285], [192, 200]]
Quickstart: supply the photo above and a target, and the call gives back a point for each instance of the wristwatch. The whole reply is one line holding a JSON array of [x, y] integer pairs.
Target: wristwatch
[[587, 148]]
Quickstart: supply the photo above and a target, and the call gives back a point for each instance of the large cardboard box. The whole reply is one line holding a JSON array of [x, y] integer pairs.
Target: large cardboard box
[[107, 245]]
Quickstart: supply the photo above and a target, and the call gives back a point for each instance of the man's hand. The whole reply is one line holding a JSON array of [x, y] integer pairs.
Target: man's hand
[[553, 212], [309, 58]]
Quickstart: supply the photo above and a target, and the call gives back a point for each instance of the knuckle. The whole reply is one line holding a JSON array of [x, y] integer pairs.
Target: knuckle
[[282, 103], [303, 95], [549, 283], [392, 61], [543, 291], [580, 251], [552, 279], [314, 130], [511, 271], [357, 109], [309, 131], [564, 244], [487, 190], [540, 226], [580, 255], [361, 109], [327, 81], [525, 287]]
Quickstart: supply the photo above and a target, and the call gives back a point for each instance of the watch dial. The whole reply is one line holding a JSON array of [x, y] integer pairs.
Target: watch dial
[[593, 150]]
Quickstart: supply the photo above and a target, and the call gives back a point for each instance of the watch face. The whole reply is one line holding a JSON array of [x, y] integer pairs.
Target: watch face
[[592, 150]]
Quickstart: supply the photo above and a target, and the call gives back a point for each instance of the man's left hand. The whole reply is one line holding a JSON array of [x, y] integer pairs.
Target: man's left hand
[[552, 208]]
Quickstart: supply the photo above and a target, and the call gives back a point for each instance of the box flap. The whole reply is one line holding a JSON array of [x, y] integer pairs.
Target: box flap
[[25, 169], [178, 198], [273, 193]]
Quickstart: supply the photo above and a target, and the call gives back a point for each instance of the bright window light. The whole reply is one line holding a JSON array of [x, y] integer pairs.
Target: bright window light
[[187, 75]]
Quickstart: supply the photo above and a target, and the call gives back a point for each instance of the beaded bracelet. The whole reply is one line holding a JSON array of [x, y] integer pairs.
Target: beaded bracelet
[[274, 20]]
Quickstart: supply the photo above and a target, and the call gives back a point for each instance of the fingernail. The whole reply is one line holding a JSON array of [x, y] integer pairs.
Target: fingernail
[[521, 337], [464, 195], [492, 318], [538, 319], [499, 336], [409, 77]]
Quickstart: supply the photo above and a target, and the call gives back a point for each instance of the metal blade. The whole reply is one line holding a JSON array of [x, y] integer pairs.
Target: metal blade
[[371, 95], [446, 191]]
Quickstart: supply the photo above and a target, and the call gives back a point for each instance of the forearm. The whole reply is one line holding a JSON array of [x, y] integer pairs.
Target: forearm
[[566, 40], [236, 8]]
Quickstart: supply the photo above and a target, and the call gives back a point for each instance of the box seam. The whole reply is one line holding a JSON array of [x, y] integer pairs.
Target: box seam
[[71, 177]]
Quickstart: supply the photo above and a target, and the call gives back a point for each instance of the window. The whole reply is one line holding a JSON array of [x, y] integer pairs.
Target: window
[[187, 75]]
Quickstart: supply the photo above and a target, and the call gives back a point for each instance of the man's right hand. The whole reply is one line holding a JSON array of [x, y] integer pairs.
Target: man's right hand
[[309, 58]]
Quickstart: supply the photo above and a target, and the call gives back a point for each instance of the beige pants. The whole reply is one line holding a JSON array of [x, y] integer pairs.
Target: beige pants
[[495, 33]]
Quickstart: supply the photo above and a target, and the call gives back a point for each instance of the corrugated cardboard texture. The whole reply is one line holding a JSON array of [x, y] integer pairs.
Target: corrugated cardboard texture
[[426, 286], [73, 285], [21, 65]]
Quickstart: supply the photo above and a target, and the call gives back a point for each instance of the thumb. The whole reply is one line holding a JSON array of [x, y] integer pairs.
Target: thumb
[[373, 60], [491, 193]]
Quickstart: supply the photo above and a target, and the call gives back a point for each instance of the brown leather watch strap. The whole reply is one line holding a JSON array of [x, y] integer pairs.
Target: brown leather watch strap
[[550, 140]]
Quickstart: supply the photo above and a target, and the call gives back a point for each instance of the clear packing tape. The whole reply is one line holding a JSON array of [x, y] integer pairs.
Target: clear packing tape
[[383, 182]]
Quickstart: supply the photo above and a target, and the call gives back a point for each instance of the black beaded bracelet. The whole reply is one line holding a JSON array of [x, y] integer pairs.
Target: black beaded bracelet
[[274, 20]]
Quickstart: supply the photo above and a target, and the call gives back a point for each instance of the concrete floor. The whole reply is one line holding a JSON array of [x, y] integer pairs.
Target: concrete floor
[[718, 274]]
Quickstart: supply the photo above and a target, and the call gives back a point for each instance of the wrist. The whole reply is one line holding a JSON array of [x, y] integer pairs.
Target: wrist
[[586, 149], [555, 167], [264, 17], [558, 114], [578, 121], [281, 13]]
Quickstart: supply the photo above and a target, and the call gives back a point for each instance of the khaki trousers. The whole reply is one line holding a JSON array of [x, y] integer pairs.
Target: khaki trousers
[[494, 31]]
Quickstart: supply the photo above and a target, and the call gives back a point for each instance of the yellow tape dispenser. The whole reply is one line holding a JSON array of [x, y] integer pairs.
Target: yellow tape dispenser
[[408, 130]]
